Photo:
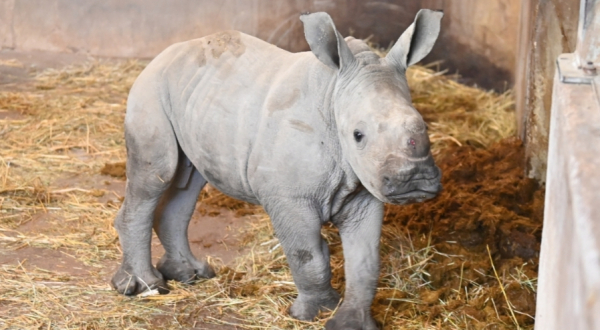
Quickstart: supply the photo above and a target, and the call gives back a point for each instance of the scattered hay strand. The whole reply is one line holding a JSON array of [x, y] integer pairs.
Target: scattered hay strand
[[459, 114], [512, 313]]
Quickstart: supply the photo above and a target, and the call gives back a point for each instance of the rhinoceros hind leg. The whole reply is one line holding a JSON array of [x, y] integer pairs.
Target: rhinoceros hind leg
[[125, 282], [184, 270], [152, 155], [171, 224]]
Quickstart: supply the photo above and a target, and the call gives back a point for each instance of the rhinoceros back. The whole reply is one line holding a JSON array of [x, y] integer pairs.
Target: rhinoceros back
[[230, 97]]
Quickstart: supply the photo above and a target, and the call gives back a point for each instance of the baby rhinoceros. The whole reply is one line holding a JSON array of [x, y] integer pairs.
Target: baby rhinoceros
[[314, 137]]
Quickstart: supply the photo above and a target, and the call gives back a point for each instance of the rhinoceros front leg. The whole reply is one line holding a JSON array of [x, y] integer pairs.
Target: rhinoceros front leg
[[360, 231], [298, 228]]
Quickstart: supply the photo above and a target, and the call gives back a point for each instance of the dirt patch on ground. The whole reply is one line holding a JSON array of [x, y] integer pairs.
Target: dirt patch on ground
[[212, 198], [6, 115], [59, 260], [116, 170], [213, 233], [41, 225]]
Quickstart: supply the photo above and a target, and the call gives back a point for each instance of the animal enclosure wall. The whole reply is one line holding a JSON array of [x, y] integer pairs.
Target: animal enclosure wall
[[478, 38]]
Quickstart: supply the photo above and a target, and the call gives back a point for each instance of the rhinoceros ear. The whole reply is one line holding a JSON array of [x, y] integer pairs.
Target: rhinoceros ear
[[416, 42], [326, 42]]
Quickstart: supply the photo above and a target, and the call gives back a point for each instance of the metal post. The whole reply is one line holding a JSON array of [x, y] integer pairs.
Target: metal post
[[588, 10], [583, 66]]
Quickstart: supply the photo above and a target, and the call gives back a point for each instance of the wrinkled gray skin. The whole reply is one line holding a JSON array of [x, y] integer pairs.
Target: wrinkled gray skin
[[327, 135]]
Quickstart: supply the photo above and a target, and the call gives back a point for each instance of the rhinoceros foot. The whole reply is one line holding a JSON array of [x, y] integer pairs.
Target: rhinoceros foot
[[349, 319], [306, 308], [185, 270], [130, 283]]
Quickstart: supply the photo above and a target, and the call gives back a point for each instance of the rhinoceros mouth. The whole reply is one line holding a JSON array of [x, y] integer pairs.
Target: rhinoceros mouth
[[415, 196]]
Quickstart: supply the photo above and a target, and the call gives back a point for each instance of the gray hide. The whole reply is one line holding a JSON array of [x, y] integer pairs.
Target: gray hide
[[314, 137]]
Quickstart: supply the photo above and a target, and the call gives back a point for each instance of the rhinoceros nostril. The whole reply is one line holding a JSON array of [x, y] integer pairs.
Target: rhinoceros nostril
[[411, 142], [388, 186], [386, 180]]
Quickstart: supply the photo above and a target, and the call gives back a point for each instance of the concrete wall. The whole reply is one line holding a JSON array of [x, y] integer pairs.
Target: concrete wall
[[479, 40], [141, 28], [478, 37]]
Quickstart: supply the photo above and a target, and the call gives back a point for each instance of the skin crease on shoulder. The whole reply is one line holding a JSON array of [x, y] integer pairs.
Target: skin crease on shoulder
[[322, 136]]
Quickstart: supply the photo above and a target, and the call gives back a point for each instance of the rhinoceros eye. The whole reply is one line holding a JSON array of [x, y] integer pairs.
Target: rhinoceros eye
[[358, 135]]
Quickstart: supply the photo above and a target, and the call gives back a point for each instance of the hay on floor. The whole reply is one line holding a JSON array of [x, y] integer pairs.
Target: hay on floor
[[72, 124]]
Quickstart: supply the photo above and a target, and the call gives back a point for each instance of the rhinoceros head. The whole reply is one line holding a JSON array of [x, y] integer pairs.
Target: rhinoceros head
[[383, 137]]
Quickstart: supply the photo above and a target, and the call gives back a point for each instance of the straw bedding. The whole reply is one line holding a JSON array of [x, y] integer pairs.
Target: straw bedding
[[465, 260]]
